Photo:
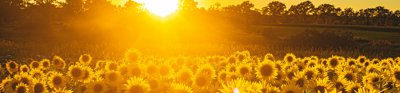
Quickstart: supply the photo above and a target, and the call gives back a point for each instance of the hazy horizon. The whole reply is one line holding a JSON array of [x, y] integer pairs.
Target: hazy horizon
[[356, 4]]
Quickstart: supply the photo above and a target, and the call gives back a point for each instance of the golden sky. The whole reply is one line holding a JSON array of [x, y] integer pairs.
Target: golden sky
[[355, 4]]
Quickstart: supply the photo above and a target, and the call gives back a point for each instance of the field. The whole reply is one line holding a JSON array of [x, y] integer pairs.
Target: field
[[254, 59]]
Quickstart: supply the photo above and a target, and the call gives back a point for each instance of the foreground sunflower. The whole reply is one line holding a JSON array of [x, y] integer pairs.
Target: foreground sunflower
[[97, 87], [266, 70], [39, 87], [57, 81], [85, 59], [75, 72], [137, 85], [12, 67], [58, 62]]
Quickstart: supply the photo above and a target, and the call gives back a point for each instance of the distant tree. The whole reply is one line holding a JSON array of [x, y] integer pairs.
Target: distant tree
[[305, 8], [275, 8], [133, 7], [74, 6], [188, 5], [395, 17], [326, 12], [347, 14], [381, 14]]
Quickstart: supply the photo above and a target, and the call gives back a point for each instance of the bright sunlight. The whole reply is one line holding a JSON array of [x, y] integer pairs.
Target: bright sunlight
[[160, 8]]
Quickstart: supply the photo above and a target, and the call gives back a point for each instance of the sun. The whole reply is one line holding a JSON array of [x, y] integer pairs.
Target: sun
[[160, 8]]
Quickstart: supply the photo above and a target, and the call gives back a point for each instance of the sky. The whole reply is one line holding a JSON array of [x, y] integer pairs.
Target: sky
[[355, 4]]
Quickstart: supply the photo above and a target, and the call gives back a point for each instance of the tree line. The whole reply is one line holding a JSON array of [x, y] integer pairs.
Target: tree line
[[39, 13]]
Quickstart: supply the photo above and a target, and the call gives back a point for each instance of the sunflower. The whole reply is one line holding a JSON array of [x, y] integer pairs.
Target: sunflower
[[269, 56], [45, 64], [362, 59], [152, 69], [85, 59], [39, 87], [240, 85], [352, 87], [231, 67], [62, 90], [231, 60], [10, 85], [271, 89], [321, 85], [340, 85], [184, 75], [58, 62], [34, 65], [75, 72], [266, 70], [97, 87], [332, 75], [57, 80], [23, 78], [123, 69], [113, 78], [222, 76], [207, 70], [373, 69], [373, 81], [12, 67], [290, 58], [348, 75], [202, 81], [137, 85], [375, 61], [180, 88], [333, 62], [312, 63], [36, 73], [111, 66], [300, 80], [24, 68], [87, 74], [100, 65], [351, 62], [245, 70], [310, 73], [291, 88], [22, 88], [165, 70], [135, 70], [395, 73], [132, 56]]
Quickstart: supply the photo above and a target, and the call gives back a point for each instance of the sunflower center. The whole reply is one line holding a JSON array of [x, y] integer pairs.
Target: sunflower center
[[25, 80], [21, 89], [300, 82], [38, 88], [244, 71], [13, 65], [397, 75], [309, 75], [135, 71], [349, 77], [320, 89], [76, 72], [98, 88], [201, 81], [136, 89], [334, 62], [266, 70], [35, 65], [46, 64], [57, 80]]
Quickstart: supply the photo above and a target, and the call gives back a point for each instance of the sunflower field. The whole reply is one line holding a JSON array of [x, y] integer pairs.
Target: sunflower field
[[236, 73]]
